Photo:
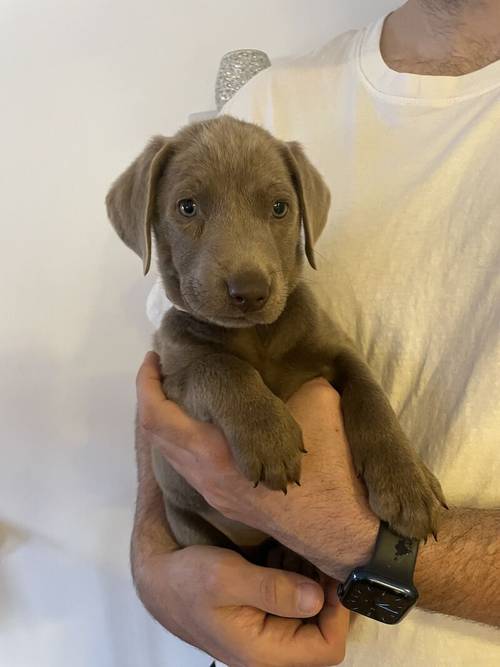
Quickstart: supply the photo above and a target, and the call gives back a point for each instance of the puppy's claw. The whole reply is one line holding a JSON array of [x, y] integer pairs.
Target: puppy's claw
[[434, 535], [261, 477], [444, 505], [303, 450], [297, 482], [285, 490]]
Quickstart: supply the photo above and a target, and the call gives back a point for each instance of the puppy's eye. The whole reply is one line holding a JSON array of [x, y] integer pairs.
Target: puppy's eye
[[187, 207], [280, 209]]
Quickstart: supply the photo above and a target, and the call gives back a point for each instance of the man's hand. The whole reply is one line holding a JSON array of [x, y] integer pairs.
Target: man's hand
[[242, 614], [329, 487], [327, 519], [235, 611]]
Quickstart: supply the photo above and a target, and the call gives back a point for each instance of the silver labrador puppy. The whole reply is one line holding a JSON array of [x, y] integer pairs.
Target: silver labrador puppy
[[226, 202]]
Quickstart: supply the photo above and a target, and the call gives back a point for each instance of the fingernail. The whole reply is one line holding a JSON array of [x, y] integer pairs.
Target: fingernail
[[308, 598]]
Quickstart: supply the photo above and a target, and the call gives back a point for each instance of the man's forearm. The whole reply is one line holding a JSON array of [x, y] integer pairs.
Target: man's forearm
[[151, 532], [459, 574]]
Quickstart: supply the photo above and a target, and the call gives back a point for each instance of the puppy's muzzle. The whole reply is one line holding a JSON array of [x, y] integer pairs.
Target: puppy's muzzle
[[248, 291]]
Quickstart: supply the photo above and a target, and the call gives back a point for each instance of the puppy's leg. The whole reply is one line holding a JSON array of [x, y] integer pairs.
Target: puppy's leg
[[402, 491], [190, 528], [184, 508], [265, 439]]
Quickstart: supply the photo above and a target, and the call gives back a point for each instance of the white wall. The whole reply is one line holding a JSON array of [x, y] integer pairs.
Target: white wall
[[83, 84]]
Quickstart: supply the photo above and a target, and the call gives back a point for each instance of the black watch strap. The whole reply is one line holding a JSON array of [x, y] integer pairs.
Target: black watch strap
[[394, 556]]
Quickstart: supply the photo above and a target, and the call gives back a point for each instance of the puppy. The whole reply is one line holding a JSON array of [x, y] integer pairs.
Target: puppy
[[226, 202]]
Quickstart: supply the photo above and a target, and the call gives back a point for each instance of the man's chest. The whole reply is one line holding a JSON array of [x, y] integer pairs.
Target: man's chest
[[410, 267]]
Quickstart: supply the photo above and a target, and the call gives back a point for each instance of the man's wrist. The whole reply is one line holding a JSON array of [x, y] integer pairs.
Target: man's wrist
[[363, 541], [434, 552], [354, 546], [458, 574]]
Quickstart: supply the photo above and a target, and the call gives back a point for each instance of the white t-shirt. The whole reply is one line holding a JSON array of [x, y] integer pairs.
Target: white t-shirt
[[409, 263]]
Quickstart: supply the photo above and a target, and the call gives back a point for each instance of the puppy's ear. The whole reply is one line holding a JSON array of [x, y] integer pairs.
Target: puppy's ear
[[132, 198], [313, 194]]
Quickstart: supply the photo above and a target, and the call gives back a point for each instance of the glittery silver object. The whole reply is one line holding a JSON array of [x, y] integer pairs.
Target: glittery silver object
[[236, 68]]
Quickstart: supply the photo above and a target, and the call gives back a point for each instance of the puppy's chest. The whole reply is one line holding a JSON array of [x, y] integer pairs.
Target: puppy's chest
[[283, 368]]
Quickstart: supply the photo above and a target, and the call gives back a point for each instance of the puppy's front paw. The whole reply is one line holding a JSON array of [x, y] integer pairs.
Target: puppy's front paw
[[268, 446], [403, 492]]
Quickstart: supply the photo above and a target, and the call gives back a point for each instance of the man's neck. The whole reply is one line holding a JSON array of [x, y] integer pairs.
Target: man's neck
[[442, 37]]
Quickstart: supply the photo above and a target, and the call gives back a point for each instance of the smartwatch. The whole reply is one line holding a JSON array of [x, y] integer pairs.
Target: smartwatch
[[383, 589]]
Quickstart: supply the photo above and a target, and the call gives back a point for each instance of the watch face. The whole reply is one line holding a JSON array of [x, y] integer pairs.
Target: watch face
[[383, 603]]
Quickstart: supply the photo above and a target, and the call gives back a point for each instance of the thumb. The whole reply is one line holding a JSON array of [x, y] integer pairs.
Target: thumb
[[273, 591]]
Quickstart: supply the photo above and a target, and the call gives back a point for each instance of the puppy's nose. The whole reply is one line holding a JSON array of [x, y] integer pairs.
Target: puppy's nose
[[249, 290]]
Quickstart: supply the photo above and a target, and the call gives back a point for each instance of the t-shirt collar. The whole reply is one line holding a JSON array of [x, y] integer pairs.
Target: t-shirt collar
[[419, 87]]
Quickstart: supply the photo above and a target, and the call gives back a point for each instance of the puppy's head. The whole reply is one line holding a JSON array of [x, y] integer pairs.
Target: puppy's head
[[225, 201]]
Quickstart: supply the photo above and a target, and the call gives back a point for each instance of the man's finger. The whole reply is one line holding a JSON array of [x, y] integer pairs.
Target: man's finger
[[334, 618], [287, 597], [156, 413], [273, 591], [320, 643], [312, 644]]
